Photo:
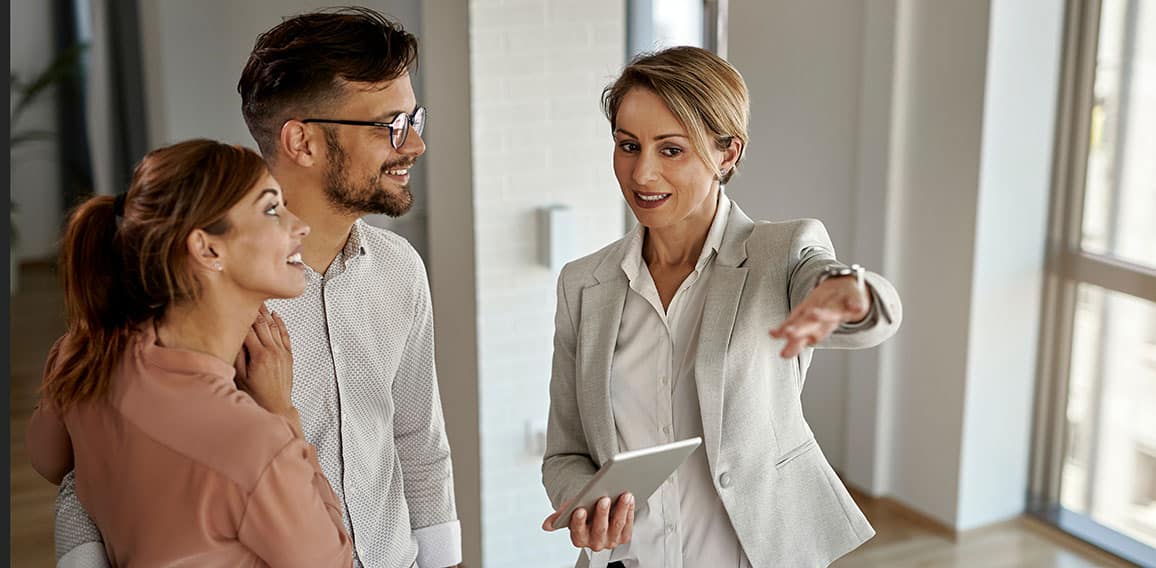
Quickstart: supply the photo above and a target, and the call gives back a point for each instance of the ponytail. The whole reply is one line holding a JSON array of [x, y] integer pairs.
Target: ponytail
[[100, 319]]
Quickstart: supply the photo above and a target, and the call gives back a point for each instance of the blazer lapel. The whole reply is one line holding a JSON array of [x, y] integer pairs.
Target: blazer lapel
[[601, 314], [718, 321]]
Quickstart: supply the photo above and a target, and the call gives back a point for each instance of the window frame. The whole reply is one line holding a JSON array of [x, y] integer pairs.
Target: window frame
[[1067, 266]]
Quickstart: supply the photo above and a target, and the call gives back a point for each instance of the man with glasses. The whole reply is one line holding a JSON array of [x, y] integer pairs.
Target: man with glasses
[[328, 98]]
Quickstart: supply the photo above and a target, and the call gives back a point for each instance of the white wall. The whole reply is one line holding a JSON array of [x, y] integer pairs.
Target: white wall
[[802, 64], [924, 144], [939, 88], [34, 177], [193, 56], [867, 413], [539, 139], [1014, 190], [451, 261]]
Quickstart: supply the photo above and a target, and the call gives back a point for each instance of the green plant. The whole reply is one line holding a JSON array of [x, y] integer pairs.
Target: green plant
[[26, 93]]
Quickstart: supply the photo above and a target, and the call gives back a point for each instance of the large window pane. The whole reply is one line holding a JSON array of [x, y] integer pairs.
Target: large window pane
[[1109, 467], [1120, 190]]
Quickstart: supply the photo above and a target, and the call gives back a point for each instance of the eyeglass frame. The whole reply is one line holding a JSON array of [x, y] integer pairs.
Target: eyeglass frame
[[408, 122]]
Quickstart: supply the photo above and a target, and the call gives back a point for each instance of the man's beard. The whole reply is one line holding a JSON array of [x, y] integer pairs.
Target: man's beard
[[367, 197]]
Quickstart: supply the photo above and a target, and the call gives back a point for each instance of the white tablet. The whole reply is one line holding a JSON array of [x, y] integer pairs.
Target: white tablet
[[638, 472]]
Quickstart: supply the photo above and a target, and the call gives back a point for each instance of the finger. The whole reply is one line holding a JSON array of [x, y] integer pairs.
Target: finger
[[282, 329], [824, 332], [812, 321], [548, 524], [781, 331], [270, 321], [264, 334], [601, 524], [628, 530], [618, 520], [252, 342], [806, 331], [793, 348], [579, 531], [239, 364], [802, 315]]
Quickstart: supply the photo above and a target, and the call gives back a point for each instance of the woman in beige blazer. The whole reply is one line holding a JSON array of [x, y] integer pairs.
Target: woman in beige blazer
[[667, 334]]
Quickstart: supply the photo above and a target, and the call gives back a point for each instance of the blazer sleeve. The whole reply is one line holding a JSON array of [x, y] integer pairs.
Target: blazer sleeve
[[46, 439], [292, 517], [566, 466], [810, 251]]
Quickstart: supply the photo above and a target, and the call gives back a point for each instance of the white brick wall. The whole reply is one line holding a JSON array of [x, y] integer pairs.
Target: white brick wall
[[539, 139]]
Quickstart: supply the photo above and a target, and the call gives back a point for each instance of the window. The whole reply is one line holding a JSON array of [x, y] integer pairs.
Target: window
[[1094, 471], [658, 24]]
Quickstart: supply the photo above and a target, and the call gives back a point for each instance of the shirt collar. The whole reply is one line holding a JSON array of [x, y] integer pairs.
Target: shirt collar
[[632, 262], [355, 244], [177, 360]]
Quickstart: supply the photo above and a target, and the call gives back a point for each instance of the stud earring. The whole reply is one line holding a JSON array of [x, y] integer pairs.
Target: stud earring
[[217, 266]]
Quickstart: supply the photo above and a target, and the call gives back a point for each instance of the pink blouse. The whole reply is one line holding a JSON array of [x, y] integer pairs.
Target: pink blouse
[[179, 468]]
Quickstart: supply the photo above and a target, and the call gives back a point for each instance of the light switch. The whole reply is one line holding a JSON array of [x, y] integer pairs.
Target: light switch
[[556, 236]]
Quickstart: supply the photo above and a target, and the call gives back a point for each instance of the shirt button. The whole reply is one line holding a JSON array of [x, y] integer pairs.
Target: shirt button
[[724, 480], [670, 528], [666, 430]]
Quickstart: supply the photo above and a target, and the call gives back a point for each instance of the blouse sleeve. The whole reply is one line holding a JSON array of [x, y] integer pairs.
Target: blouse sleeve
[[292, 517], [46, 439]]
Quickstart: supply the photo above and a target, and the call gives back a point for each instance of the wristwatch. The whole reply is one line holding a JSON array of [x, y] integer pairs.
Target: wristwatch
[[839, 270]]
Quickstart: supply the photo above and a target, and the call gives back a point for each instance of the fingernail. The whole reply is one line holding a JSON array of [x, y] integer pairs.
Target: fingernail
[[629, 499], [604, 503], [580, 514]]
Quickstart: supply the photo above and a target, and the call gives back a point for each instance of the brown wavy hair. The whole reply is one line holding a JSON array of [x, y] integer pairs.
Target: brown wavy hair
[[299, 65], [705, 92], [120, 271]]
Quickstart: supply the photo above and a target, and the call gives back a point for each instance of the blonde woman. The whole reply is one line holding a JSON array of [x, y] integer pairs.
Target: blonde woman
[[702, 322]]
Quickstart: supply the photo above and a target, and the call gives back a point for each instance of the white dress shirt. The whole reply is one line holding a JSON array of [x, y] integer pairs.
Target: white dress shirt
[[655, 401]]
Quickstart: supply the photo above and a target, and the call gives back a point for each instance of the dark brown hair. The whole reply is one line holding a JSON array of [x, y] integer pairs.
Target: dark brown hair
[[297, 66], [120, 271], [705, 93]]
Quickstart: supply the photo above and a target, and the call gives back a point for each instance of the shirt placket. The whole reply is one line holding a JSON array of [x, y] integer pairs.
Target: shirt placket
[[330, 293], [671, 508]]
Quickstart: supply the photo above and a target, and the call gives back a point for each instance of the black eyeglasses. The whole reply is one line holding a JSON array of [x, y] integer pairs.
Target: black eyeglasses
[[398, 127]]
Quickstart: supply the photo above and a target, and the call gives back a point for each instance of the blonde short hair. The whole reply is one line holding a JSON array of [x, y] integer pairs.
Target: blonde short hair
[[705, 93]]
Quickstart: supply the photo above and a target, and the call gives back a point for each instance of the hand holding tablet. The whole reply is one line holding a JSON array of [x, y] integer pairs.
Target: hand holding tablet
[[625, 478]]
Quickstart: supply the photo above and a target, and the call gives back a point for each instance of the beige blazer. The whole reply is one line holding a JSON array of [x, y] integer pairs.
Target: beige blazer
[[784, 500]]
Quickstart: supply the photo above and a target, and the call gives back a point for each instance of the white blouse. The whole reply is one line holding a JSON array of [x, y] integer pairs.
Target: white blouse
[[655, 401]]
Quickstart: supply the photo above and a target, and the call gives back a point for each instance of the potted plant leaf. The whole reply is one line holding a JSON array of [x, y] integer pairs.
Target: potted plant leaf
[[26, 93]]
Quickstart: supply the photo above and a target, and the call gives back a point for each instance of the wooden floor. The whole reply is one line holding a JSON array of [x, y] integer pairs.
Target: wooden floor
[[36, 319], [904, 539]]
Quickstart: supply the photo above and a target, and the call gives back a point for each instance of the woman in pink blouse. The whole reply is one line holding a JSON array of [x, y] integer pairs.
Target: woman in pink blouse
[[169, 395]]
